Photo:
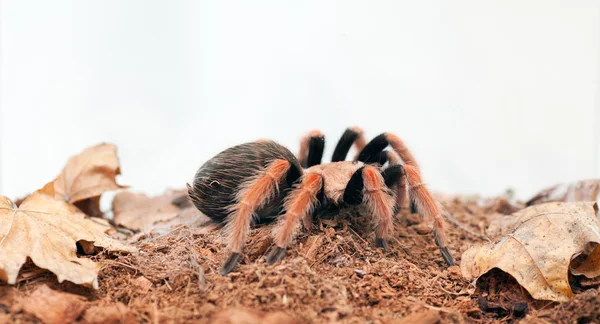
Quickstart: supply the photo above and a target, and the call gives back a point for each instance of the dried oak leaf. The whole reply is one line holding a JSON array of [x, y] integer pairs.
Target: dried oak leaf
[[89, 174], [46, 230], [53, 307], [539, 248], [584, 190], [109, 314], [246, 316], [138, 211]]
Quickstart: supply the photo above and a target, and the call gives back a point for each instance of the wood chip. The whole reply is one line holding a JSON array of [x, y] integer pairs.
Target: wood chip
[[111, 314], [312, 246], [142, 283], [426, 317], [53, 307]]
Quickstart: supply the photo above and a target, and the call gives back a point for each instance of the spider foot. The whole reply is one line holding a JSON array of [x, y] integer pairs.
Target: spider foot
[[381, 243], [229, 265], [276, 254], [447, 256]]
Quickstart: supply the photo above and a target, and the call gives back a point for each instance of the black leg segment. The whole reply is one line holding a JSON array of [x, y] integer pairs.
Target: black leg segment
[[372, 151], [315, 151], [381, 243], [293, 175], [413, 208], [343, 146], [383, 157], [393, 174], [353, 194], [230, 263], [275, 255], [446, 255]]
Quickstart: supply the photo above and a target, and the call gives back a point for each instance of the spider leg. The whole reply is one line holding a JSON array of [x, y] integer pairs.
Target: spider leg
[[352, 135], [311, 149], [387, 156], [367, 186], [253, 194], [421, 199], [373, 152], [429, 208], [391, 172], [298, 206], [395, 178]]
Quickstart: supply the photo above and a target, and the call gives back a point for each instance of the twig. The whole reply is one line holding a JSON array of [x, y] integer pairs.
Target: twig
[[353, 232], [123, 265], [463, 227], [168, 286], [452, 293], [439, 309]]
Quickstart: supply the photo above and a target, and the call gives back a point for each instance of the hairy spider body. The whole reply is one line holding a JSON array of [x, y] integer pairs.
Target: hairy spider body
[[218, 181], [263, 181]]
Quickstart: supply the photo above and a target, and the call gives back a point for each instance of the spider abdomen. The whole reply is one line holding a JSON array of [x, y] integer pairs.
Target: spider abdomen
[[218, 181]]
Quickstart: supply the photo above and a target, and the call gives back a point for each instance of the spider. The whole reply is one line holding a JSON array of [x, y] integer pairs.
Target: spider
[[263, 181]]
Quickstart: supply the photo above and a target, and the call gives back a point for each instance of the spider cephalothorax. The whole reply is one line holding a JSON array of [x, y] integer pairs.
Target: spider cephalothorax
[[264, 181]]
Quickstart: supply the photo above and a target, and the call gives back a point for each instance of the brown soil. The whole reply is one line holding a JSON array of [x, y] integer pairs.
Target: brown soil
[[333, 274]]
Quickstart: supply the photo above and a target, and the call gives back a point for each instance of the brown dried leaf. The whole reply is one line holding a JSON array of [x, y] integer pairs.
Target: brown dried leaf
[[53, 307], [46, 230], [312, 246], [137, 211], [89, 174], [243, 316], [142, 283], [538, 251], [585, 190], [424, 317], [111, 314]]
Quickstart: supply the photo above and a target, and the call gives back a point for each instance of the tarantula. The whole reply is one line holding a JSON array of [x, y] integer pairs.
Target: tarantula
[[263, 181]]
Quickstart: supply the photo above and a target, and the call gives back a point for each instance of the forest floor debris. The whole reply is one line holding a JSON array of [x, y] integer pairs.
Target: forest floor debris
[[332, 274]]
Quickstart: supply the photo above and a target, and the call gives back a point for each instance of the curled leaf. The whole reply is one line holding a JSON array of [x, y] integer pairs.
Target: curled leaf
[[537, 252], [47, 230], [89, 174], [585, 190], [138, 211], [53, 307]]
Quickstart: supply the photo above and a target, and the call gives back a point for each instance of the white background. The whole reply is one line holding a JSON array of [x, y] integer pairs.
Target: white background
[[488, 94]]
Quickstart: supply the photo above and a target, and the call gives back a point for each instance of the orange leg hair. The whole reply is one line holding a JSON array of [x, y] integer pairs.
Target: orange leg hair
[[298, 206], [305, 145], [401, 189], [380, 201], [392, 158], [254, 194], [418, 193], [360, 141], [428, 207], [400, 148]]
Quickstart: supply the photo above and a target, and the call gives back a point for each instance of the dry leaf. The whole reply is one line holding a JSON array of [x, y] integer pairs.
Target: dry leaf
[[424, 317], [89, 174], [111, 314], [312, 246], [53, 307], [585, 190], [142, 283], [243, 316], [538, 251], [499, 225], [138, 211], [46, 230]]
